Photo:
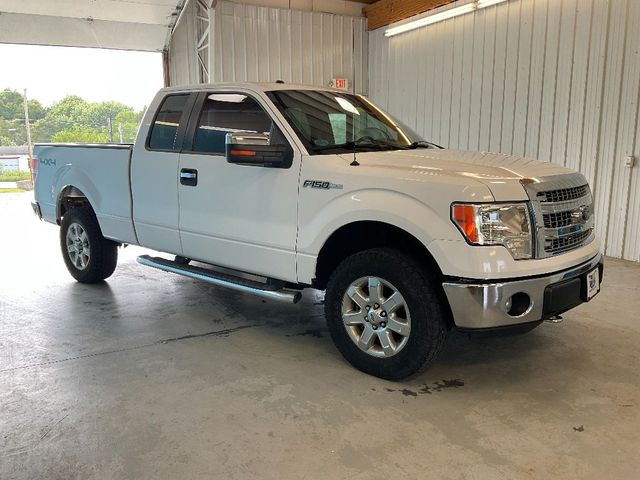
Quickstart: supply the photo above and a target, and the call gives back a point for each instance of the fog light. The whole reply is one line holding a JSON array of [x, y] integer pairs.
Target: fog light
[[518, 304]]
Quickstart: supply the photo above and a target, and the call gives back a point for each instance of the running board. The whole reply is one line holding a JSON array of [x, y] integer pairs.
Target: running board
[[221, 279]]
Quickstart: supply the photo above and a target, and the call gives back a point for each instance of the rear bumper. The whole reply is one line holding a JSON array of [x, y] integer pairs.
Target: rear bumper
[[36, 209], [478, 305]]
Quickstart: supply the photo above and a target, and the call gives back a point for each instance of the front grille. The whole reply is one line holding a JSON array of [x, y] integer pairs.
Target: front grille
[[563, 194], [556, 220], [562, 213], [566, 243]]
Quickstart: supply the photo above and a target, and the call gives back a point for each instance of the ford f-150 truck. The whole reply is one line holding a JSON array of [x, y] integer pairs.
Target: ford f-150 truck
[[273, 188]]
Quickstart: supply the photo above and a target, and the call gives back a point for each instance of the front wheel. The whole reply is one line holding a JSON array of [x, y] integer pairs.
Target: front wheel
[[89, 257], [384, 313]]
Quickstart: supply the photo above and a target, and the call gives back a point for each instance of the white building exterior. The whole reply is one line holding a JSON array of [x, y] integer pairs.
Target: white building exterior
[[14, 159], [238, 42]]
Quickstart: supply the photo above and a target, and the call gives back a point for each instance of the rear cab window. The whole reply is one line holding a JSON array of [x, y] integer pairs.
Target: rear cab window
[[164, 130]]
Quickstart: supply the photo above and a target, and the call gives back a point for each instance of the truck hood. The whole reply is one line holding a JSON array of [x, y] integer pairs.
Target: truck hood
[[499, 172]]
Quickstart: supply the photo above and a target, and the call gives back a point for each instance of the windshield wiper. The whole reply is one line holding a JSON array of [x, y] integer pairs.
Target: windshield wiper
[[355, 144], [375, 144], [423, 144]]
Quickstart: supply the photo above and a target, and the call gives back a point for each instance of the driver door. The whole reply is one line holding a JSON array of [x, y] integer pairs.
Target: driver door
[[236, 216]]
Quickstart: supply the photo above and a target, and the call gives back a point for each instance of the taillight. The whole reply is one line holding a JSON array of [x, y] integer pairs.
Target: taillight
[[34, 169]]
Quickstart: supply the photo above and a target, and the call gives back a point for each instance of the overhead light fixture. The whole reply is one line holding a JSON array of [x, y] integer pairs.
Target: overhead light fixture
[[488, 3], [440, 16]]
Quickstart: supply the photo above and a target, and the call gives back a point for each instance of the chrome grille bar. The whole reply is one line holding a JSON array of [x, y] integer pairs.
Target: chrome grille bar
[[567, 242], [562, 211], [563, 194]]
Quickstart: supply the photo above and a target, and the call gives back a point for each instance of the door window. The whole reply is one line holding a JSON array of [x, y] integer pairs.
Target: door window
[[224, 113], [164, 130]]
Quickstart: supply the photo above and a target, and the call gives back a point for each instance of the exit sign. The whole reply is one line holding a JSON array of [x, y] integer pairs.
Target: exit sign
[[340, 83]]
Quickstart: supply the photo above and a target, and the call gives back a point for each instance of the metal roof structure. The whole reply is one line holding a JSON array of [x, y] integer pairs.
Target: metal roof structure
[[117, 24], [144, 25]]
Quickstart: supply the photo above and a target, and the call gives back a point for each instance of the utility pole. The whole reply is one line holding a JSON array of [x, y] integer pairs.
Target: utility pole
[[28, 126], [110, 125], [120, 132]]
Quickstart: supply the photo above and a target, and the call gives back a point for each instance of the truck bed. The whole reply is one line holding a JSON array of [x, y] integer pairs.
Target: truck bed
[[100, 171]]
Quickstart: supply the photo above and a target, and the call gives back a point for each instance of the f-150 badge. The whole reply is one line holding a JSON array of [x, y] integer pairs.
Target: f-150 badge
[[321, 184]]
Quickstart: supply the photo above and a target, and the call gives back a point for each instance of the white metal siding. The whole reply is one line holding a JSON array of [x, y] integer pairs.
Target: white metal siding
[[252, 43], [557, 80], [183, 58]]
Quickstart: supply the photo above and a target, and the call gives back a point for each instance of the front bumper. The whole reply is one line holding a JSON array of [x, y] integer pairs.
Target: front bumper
[[477, 305]]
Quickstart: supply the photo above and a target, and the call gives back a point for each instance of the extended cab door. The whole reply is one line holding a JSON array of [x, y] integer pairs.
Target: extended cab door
[[154, 174], [236, 216]]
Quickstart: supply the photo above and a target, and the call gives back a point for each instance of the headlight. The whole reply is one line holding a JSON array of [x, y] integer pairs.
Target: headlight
[[496, 224]]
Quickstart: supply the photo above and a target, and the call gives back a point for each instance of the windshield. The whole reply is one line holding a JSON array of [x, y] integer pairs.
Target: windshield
[[332, 122]]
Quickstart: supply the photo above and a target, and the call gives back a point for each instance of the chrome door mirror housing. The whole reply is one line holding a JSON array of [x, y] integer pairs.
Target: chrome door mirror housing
[[254, 149]]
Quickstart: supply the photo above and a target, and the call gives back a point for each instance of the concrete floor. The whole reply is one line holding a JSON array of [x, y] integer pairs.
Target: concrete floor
[[154, 376]]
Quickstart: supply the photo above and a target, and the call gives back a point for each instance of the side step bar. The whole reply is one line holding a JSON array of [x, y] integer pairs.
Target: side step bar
[[221, 279]]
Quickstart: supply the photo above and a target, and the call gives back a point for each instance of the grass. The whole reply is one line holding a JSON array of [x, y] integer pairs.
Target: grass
[[14, 176], [11, 190]]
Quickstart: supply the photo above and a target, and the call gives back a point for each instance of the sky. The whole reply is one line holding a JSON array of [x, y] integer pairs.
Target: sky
[[50, 73]]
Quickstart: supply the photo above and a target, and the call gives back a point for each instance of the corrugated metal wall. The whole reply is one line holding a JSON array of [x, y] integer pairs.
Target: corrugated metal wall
[[557, 80], [251, 43], [183, 60]]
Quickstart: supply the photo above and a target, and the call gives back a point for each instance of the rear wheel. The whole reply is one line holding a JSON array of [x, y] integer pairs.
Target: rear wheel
[[89, 256], [384, 313]]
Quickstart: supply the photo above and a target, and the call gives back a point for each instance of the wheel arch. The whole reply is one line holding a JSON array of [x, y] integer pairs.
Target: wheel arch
[[363, 235], [69, 197]]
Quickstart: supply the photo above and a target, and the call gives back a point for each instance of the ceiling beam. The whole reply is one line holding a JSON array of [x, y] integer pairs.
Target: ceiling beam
[[79, 32], [156, 12], [386, 12]]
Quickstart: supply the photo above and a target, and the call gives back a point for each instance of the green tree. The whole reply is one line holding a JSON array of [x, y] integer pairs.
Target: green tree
[[98, 114], [63, 115], [71, 108], [72, 119], [12, 106], [13, 132], [128, 122], [81, 134]]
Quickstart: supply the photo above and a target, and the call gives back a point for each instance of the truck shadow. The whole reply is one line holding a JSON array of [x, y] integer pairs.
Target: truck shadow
[[305, 323], [178, 307]]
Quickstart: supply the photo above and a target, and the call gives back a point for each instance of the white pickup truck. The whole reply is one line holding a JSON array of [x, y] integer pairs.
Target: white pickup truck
[[290, 187]]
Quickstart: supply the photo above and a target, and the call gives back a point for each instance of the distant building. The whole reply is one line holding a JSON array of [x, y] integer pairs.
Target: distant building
[[14, 159]]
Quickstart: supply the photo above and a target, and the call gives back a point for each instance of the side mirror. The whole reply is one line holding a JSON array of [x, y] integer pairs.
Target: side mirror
[[253, 149]]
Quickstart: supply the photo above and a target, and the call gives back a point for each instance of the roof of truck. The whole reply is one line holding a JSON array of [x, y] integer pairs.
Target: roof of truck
[[259, 86]]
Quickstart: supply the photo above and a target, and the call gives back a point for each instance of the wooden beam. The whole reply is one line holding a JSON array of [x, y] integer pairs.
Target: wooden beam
[[165, 68], [385, 12]]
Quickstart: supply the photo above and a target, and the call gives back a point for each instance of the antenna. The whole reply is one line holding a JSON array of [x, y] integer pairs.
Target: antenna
[[355, 162]]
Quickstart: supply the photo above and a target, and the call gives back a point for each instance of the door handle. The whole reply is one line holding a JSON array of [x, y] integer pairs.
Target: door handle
[[189, 177]]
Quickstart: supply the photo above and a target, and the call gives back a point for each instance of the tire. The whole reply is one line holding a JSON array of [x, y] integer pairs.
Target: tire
[[89, 257], [422, 312]]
